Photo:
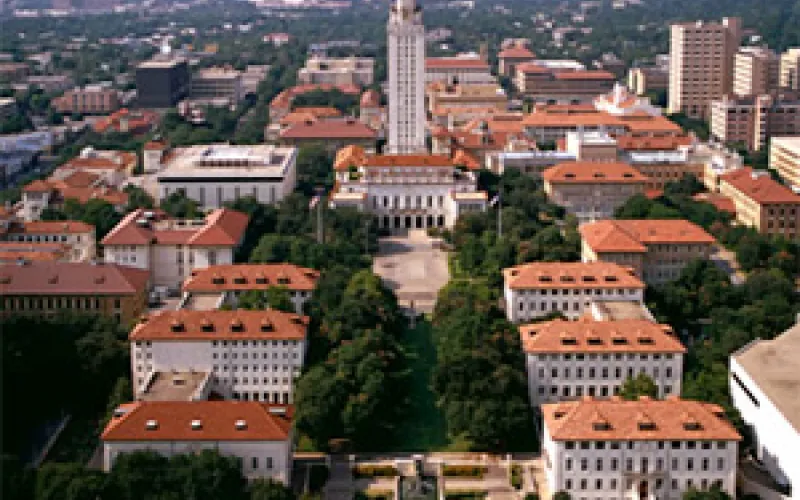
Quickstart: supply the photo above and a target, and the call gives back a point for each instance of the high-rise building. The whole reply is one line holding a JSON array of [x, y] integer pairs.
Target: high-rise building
[[406, 49], [755, 71], [790, 69], [701, 64], [162, 82]]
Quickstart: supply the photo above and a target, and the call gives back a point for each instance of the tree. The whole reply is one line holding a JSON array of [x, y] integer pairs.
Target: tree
[[69, 481], [562, 495], [138, 198], [635, 387], [274, 297], [267, 489], [715, 493], [179, 205]]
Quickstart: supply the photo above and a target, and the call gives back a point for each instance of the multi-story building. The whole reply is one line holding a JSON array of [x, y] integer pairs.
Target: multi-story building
[[790, 69], [113, 167], [78, 237], [211, 84], [567, 360], [642, 80], [463, 69], [50, 83], [657, 250], [214, 174], [762, 203], [223, 284], [701, 64], [544, 84], [331, 134], [510, 57], [248, 355], [442, 96], [258, 434], [406, 75], [170, 249], [13, 72], [337, 71], [764, 379], [162, 83], [89, 100], [541, 288], [406, 191], [79, 186], [125, 121], [638, 449], [592, 190], [45, 288], [756, 71], [784, 158], [751, 121]]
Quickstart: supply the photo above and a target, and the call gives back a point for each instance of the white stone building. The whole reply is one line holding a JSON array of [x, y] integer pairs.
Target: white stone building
[[541, 288], [172, 248], [258, 434], [214, 174], [406, 74], [406, 191], [637, 450], [78, 237], [222, 284], [567, 360], [248, 355], [468, 69], [765, 384]]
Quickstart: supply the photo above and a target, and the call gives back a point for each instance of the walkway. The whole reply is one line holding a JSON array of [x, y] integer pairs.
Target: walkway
[[413, 269]]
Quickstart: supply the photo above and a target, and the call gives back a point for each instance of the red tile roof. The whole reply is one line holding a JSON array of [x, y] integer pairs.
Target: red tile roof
[[761, 188], [218, 421], [71, 278], [53, 227], [584, 75], [455, 62], [251, 277], [722, 203], [37, 186], [516, 52], [634, 235], [408, 160], [593, 173], [121, 161], [627, 335], [223, 227], [329, 129], [241, 324], [643, 420], [570, 275]]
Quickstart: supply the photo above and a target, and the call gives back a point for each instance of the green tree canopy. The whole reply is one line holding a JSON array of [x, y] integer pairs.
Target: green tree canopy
[[635, 387]]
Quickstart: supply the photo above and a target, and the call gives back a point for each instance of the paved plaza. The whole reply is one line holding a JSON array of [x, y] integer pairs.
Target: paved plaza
[[413, 268]]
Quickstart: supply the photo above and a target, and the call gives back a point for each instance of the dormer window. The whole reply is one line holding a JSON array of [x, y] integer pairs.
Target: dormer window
[[594, 341], [237, 325], [601, 426], [647, 426], [218, 280], [569, 341], [151, 425], [611, 278], [646, 340], [177, 326], [619, 341], [197, 425], [546, 279], [590, 279], [239, 280], [261, 280], [206, 326], [266, 326]]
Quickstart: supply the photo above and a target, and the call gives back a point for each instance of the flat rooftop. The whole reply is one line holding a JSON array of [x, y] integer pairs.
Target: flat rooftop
[[160, 63], [224, 160], [775, 366], [616, 310], [174, 386]]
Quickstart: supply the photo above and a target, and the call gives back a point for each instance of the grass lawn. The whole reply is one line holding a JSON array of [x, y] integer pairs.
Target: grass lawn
[[423, 428]]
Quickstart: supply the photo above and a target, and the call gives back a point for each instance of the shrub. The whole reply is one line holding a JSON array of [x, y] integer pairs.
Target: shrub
[[465, 494], [532, 496], [516, 477], [476, 471], [366, 471]]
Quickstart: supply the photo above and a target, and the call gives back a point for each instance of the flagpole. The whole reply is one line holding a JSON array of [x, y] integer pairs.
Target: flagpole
[[499, 215]]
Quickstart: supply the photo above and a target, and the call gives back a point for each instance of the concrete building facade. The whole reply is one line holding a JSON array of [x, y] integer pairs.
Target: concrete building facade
[[701, 64], [540, 288]]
